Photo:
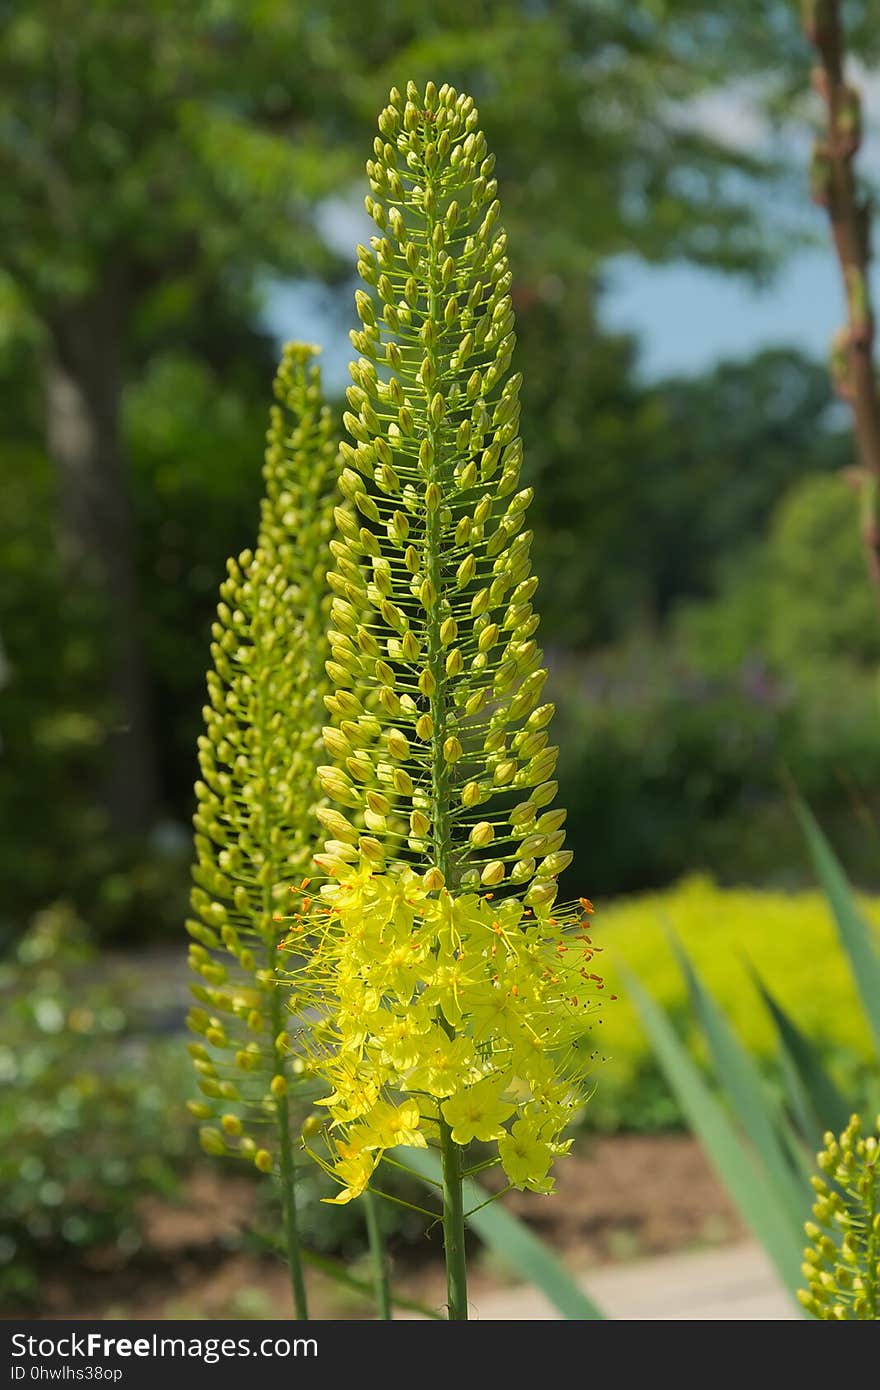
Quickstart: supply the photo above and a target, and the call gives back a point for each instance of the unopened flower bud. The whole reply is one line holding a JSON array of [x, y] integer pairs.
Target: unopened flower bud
[[452, 749], [482, 834], [211, 1141]]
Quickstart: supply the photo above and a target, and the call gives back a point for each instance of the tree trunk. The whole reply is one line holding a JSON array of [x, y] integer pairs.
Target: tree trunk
[[83, 395]]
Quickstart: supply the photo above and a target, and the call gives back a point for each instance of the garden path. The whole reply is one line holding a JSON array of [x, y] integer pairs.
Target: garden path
[[735, 1283]]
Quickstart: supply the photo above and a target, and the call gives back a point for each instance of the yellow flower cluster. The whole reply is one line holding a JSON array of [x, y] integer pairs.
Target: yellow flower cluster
[[842, 1262], [448, 1005]]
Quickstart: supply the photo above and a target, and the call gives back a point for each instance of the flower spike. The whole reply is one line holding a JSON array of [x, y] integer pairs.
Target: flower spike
[[451, 765], [255, 821]]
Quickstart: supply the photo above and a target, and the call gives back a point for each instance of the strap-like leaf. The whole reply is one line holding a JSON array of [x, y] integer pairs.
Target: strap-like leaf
[[855, 935], [743, 1086], [815, 1100], [745, 1178]]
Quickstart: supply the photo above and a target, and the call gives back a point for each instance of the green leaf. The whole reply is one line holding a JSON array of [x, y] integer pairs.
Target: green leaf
[[815, 1100], [854, 933], [338, 1272], [512, 1240], [746, 1179], [741, 1082], [801, 1161]]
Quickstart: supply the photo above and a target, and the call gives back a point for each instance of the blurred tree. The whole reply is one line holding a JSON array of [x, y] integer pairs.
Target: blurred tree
[[740, 436], [139, 156], [819, 608], [158, 158], [645, 493], [794, 600]]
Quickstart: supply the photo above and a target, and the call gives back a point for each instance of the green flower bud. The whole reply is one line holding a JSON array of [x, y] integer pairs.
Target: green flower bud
[[482, 834], [397, 743], [199, 1109], [452, 749], [454, 662], [211, 1141]]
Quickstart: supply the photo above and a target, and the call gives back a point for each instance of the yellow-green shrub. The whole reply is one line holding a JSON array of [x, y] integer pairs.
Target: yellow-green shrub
[[789, 938]]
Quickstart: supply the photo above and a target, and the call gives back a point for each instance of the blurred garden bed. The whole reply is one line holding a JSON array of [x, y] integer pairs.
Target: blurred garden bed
[[620, 1197], [107, 1205]]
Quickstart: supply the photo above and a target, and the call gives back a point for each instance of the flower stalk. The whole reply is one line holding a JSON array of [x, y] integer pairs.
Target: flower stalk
[[378, 1259], [842, 1261], [455, 993], [453, 1226], [255, 820]]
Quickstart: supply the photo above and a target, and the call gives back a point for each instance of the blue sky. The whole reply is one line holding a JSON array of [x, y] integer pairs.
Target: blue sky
[[685, 318]]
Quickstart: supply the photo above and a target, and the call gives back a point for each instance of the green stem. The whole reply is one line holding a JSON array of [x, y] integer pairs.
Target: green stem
[[282, 1108], [453, 1227], [288, 1197], [381, 1285], [285, 1147], [453, 1201], [873, 1252]]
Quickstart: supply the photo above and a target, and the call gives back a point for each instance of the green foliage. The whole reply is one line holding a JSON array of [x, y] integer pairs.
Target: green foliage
[[755, 1187], [176, 111], [842, 1263], [786, 937], [53, 712], [799, 600], [91, 1109], [219, 127], [194, 429], [204, 207], [50, 719], [842, 1282], [681, 476], [818, 602], [666, 770]]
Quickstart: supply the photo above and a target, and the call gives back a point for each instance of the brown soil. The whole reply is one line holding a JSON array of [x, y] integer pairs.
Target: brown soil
[[618, 1198], [631, 1194]]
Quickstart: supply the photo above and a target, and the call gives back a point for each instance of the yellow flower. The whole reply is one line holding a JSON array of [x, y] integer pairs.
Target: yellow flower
[[526, 1158], [400, 1036], [387, 1125], [435, 1002], [354, 1171], [444, 1063], [478, 1112]]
